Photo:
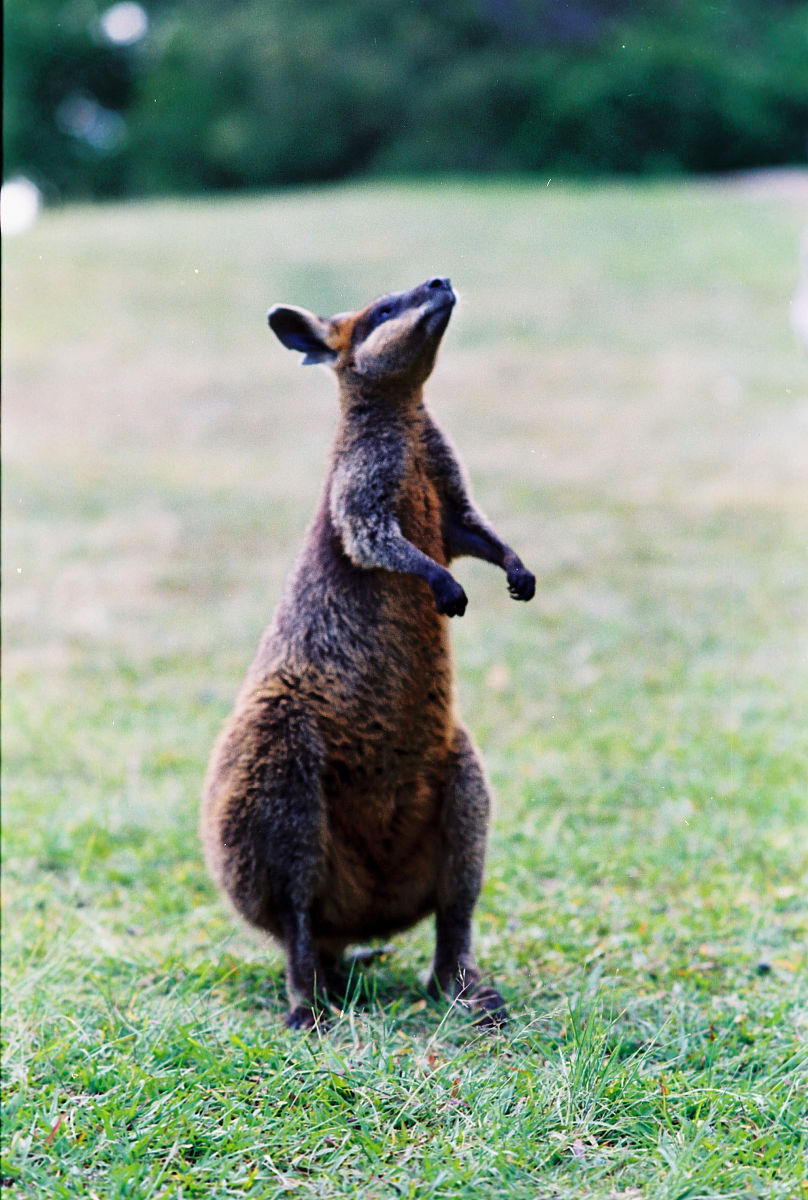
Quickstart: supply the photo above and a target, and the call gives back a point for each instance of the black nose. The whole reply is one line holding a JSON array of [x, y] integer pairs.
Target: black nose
[[439, 283]]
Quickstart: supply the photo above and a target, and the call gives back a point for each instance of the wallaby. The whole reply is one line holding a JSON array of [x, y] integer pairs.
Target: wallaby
[[344, 801]]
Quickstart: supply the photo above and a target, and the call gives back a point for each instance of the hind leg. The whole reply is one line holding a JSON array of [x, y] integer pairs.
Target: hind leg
[[467, 804], [306, 977], [264, 829]]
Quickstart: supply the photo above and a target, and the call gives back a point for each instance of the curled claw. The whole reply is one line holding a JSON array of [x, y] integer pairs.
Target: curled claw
[[521, 582]]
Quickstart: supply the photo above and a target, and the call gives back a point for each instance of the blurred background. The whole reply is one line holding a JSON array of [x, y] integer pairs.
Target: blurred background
[[180, 96]]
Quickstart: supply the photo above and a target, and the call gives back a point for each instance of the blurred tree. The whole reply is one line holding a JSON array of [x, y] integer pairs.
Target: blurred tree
[[256, 93], [66, 90], [273, 93]]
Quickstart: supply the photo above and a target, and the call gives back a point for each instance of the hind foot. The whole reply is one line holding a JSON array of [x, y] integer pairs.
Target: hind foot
[[305, 1018], [486, 1001], [481, 999]]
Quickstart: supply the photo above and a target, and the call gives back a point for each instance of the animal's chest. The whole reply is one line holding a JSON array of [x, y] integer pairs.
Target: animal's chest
[[419, 512]]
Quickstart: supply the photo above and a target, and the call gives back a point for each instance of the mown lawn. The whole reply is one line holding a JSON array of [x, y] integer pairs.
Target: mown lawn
[[633, 407]]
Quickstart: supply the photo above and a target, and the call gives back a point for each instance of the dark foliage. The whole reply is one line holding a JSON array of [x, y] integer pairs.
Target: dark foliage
[[255, 93]]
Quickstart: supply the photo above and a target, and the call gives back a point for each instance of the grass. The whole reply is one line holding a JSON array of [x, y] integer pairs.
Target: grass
[[625, 389]]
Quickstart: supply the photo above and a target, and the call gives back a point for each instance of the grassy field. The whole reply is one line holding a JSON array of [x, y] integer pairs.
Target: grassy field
[[633, 408]]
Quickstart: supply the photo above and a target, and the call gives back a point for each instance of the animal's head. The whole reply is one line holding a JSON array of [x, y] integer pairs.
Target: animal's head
[[392, 342]]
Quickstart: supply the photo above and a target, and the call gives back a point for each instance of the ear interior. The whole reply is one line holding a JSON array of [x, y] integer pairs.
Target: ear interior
[[300, 330]]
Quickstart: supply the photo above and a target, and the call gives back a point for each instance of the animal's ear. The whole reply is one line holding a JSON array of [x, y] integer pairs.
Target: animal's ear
[[301, 330]]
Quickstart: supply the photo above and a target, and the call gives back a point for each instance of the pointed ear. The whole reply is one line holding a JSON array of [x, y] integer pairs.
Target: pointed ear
[[301, 330]]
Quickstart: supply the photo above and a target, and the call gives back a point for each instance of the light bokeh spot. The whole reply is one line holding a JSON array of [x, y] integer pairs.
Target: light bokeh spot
[[125, 23], [20, 202]]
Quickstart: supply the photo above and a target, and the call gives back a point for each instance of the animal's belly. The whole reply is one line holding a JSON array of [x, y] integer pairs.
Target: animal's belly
[[382, 853]]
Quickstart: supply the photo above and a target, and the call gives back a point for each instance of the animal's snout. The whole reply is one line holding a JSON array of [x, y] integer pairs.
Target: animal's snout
[[437, 292]]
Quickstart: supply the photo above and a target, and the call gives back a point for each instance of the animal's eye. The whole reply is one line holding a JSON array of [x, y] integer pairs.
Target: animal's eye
[[381, 313]]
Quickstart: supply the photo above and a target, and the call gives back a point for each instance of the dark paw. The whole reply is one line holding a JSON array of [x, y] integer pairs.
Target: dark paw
[[450, 598], [480, 999], [304, 1017], [521, 582], [491, 1008]]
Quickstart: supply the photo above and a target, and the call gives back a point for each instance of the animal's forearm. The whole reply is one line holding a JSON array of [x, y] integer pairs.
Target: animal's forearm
[[383, 545], [468, 534]]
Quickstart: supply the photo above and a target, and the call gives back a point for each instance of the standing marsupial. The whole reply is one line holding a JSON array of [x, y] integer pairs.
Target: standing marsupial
[[344, 800]]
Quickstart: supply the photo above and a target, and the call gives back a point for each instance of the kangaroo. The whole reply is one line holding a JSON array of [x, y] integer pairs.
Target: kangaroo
[[344, 800]]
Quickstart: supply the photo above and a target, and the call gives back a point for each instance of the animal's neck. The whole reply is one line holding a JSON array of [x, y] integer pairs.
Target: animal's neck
[[358, 398]]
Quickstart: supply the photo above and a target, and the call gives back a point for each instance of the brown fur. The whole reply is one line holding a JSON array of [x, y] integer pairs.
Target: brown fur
[[344, 800]]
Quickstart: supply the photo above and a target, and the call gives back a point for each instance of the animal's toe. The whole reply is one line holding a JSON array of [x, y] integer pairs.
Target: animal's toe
[[304, 1018]]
